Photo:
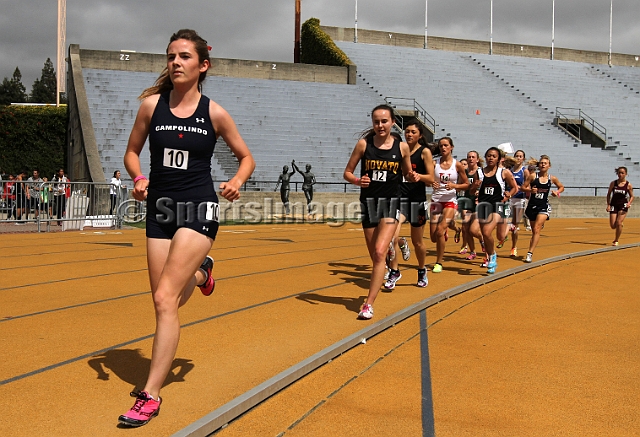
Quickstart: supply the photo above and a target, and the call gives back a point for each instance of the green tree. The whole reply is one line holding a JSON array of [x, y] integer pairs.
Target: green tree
[[44, 89], [12, 91]]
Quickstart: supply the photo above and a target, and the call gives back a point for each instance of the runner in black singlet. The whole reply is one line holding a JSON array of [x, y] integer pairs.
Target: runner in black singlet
[[413, 204], [491, 201], [538, 185], [619, 200], [182, 213], [383, 158]]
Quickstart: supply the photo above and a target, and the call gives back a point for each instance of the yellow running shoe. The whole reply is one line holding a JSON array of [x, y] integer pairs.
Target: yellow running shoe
[[514, 252], [437, 268], [501, 242]]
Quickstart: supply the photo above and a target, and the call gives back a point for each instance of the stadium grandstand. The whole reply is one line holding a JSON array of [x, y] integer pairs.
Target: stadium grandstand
[[584, 115]]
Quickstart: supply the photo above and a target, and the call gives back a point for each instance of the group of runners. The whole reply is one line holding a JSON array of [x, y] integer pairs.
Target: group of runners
[[182, 127], [491, 195]]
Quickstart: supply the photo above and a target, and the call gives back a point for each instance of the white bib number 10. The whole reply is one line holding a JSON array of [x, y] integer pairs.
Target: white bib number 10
[[174, 158]]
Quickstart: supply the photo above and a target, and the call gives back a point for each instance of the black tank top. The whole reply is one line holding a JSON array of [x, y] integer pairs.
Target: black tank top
[[619, 194], [492, 188], [383, 168], [415, 191], [541, 198], [181, 148], [471, 177]]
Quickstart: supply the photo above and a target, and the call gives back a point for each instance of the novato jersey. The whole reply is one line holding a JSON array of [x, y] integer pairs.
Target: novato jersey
[[383, 168]]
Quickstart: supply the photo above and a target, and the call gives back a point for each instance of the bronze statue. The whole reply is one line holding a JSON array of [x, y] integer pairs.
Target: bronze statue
[[309, 181], [283, 181]]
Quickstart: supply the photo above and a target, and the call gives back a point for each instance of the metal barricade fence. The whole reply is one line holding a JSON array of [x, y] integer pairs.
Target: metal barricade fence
[[54, 205]]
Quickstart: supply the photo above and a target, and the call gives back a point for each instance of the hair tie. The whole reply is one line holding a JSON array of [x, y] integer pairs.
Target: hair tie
[[209, 48]]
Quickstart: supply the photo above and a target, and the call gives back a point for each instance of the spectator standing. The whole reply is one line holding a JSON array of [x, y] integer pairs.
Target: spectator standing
[[60, 182], [45, 195], [21, 197], [114, 189], [34, 188], [9, 196]]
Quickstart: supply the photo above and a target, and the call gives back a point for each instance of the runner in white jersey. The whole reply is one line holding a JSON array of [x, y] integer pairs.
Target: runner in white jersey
[[449, 177]]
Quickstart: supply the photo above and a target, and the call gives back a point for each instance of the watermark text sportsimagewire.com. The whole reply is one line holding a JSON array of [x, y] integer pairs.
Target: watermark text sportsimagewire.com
[[333, 213]]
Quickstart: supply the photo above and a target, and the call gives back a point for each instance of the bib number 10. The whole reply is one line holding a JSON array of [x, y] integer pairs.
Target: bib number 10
[[174, 158]]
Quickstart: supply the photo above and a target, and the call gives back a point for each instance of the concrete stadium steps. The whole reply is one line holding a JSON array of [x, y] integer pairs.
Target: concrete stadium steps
[[577, 85], [626, 77], [312, 123], [319, 123], [451, 89]]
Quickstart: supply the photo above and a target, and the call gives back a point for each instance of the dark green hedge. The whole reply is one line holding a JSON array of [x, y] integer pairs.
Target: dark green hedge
[[318, 48], [32, 137]]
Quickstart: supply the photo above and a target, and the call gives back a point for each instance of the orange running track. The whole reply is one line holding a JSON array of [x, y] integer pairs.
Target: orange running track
[[550, 350]]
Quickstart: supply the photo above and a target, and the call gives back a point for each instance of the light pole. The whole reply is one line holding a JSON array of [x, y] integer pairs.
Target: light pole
[[62, 32], [491, 31], [296, 48], [610, 31], [355, 34], [426, 7], [553, 27]]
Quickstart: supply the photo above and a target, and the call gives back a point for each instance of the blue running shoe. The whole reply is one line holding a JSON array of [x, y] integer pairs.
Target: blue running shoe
[[492, 264]]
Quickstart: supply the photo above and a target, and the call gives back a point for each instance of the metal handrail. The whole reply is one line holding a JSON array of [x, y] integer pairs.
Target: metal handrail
[[585, 120], [418, 110]]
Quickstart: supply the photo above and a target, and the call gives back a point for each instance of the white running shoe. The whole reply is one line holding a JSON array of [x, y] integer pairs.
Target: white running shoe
[[529, 257], [366, 312], [404, 248], [393, 278], [391, 253], [423, 281]]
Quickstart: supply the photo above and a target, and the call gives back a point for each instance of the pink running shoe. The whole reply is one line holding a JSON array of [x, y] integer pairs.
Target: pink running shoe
[[366, 312], [472, 256], [144, 409], [209, 284]]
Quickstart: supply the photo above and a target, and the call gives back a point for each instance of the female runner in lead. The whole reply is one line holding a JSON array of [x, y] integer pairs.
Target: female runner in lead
[[383, 159], [182, 126], [619, 200]]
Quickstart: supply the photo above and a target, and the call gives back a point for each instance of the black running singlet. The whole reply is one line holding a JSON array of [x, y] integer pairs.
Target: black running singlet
[[383, 168], [181, 148], [492, 188], [415, 191], [540, 199], [619, 195], [471, 177]]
